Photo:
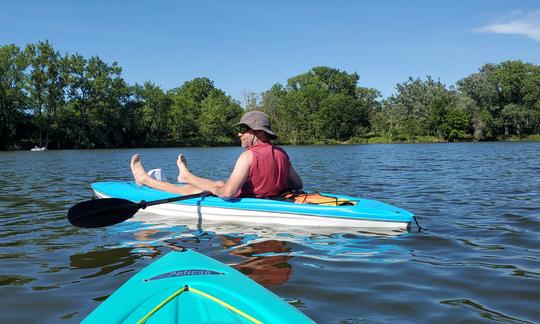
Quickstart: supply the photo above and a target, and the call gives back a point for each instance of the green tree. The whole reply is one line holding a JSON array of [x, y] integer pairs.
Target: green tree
[[273, 104], [518, 89], [186, 109], [418, 108], [340, 117], [218, 113], [201, 113], [155, 109], [320, 105], [97, 94], [306, 93], [251, 100], [455, 125], [332, 81], [13, 100], [507, 96], [518, 119], [46, 87]]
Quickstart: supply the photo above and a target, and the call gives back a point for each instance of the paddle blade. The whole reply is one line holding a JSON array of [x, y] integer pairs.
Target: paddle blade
[[101, 212]]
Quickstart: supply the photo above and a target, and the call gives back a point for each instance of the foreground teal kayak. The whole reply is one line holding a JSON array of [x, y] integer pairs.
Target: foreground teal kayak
[[348, 212], [188, 287]]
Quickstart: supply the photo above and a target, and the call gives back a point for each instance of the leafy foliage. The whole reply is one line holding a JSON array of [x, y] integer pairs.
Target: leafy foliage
[[13, 99], [69, 101], [74, 102], [321, 105], [507, 99]]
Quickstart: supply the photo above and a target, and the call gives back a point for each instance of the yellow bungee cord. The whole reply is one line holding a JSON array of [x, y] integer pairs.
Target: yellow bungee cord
[[191, 289]]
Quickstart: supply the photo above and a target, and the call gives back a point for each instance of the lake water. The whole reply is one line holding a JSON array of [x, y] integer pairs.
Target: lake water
[[477, 260]]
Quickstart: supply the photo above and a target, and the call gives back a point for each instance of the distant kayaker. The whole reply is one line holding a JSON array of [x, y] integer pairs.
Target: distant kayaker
[[262, 170]]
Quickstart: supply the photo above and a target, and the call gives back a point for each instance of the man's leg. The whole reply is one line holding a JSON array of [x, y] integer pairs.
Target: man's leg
[[184, 175], [142, 178]]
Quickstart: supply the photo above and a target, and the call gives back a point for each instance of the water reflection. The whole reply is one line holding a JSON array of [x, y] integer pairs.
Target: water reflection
[[262, 253], [104, 261], [482, 311], [264, 261]]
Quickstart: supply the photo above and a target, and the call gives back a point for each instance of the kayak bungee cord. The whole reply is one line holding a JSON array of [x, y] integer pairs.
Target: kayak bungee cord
[[224, 304], [188, 289], [160, 305], [417, 224]]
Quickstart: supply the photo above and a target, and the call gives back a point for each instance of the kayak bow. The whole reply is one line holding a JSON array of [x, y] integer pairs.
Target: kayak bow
[[188, 287]]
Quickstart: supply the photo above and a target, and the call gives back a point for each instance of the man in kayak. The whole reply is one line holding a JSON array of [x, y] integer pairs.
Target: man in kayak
[[262, 170]]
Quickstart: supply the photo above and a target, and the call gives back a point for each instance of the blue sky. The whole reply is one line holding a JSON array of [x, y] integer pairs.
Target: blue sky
[[247, 46]]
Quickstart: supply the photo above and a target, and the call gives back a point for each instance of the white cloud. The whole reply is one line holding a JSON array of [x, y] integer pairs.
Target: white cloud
[[528, 25]]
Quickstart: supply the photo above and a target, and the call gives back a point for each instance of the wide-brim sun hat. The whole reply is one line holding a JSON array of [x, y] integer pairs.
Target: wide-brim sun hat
[[257, 120]]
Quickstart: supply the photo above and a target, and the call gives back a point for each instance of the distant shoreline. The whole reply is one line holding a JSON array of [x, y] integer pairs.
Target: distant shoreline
[[354, 141], [433, 139]]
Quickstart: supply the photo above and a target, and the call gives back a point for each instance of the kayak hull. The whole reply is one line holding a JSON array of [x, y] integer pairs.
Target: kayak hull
[[211, 286], [365, 215]]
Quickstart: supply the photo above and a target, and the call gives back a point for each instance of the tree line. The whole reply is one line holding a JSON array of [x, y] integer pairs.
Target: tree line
[[69, 101]]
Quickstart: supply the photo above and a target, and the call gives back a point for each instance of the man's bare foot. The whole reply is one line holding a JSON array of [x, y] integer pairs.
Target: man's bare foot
[[137, 170], [183, 172]]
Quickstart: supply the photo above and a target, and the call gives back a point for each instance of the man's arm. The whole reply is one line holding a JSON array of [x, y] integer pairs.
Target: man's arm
[[295, 182], [237, 178]]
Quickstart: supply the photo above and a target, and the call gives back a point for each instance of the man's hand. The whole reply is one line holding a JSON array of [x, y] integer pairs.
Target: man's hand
[[217, 185]]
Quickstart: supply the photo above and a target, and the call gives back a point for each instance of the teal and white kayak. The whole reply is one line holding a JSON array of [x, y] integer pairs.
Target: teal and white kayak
[[362, 214], [188, 287]]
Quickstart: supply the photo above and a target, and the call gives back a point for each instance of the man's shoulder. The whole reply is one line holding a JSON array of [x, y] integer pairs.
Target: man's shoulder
[[247, 154], [266, 148], [280, 149]]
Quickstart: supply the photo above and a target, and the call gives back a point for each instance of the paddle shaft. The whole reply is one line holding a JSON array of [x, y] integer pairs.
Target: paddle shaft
[[143, 204]]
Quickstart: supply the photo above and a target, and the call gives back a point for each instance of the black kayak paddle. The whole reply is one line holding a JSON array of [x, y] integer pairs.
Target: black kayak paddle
[[109, 211]]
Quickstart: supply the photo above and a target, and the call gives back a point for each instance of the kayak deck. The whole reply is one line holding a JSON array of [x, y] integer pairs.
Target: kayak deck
[[365, 214], [215, 293]]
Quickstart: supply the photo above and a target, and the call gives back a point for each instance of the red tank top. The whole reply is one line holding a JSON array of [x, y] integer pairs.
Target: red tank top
[[269, 172]]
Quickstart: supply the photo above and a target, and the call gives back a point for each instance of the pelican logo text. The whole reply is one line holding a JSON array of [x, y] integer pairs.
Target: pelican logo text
[[182, 273]]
